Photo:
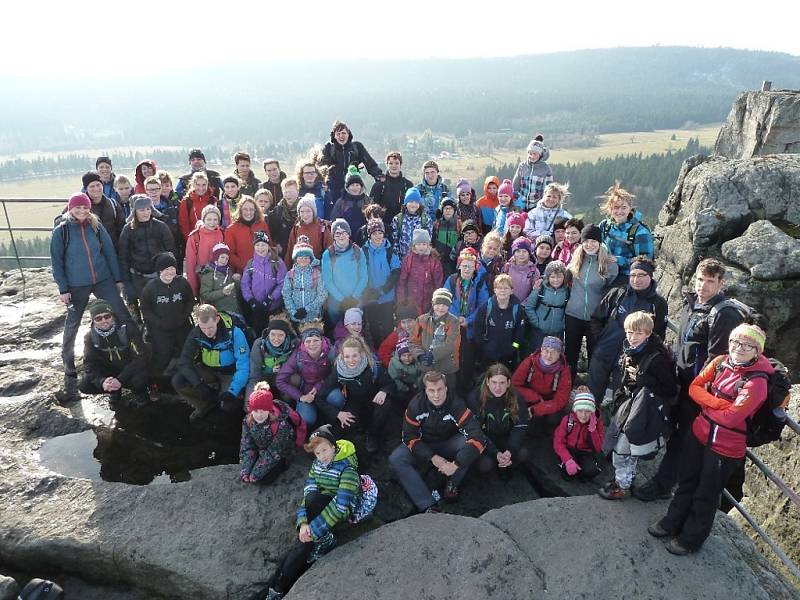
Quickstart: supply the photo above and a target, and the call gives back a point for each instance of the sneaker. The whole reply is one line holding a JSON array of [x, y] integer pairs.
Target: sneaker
[[651, 491], [451, 493], [612, 491], [322, 546], [657, 531], [677, 548]]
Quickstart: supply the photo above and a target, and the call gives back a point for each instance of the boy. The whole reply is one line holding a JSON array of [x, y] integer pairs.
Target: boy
[[123, 188], [243, 172], [432, 189], [500, 325], [391, 192], [275, 178], [350, 206], [282, 218], [436, 339], [231, 192], [445, 233]]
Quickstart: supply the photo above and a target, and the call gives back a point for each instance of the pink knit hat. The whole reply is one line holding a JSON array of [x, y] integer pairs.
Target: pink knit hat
[[506, 188], [79, 199], [517, 219]]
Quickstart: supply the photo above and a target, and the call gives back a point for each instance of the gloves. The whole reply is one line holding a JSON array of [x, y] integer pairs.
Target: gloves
[[347, 303], [593, 423], [572, 467], [300, 314], [229, 403], [426, 358], [206, 391]]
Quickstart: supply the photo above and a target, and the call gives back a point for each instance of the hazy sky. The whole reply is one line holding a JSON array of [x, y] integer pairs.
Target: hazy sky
[[81, 39]]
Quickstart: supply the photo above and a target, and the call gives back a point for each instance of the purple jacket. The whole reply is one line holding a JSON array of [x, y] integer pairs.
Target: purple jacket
[[523, 278], [312, 372], [263, 279]]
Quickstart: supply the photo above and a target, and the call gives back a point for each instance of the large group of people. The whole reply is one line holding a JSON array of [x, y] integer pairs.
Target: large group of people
[[314, 309]]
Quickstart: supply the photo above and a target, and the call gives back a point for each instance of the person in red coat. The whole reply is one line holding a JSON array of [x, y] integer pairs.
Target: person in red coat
[[198, 196], [406, 319], [543, 379], [239, 235], [309, 224], [420, 273], [579, 438]]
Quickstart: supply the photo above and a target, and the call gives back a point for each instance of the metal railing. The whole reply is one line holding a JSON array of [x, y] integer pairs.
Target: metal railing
[[10, 229]]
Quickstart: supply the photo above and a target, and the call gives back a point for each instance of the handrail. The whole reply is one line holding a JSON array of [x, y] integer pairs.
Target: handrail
[[7, 227]]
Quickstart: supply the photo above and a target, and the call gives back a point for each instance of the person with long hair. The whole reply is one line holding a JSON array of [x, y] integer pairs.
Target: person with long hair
[[247, 219]]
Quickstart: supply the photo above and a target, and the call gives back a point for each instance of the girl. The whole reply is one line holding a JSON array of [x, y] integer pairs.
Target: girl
[[578, 439], [445, 233], [384, 271], [470, 237], [124, 189], [145, 169], [467, 207], [200, 243], [404, 371], [545, 309], [544, 381], [533, 174], [504, 207], [265, 201], [198, 196], [420, 273], [371, 211], [270, 352], [231, 193], [522, 270], [542, 219], [411, 218], [487, 204], [352, 325], [302, 376], [543, 250], [492, 261], [572, 238], [303, 291], [591, 272], [406, 319], [316, 231], [270, 432], [515, 223], [622, 231], [247, 219], [344, 272], [500, 325], [262, 282], [219, 284], [355, 396], [503, 417], [350, 206]]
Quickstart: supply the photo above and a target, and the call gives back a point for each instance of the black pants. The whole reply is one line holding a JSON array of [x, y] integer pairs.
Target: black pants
[[487, 462], [701, 479], [165, 344], [295, 562], [683, 416], [576, 330], [137, 383], [380, 319], [587, 461]]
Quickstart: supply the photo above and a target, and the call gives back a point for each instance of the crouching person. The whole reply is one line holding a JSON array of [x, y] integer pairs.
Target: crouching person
[[438, 429], [113, 358], [579, 438], [215, 354]]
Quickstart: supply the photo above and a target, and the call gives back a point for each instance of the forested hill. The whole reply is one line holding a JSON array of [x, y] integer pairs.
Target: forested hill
[[587, 91]]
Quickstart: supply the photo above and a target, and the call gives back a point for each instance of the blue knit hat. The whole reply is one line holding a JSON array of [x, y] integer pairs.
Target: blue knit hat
[[412, 195]]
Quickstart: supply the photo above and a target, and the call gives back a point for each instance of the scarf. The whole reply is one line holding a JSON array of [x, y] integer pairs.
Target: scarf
[[633, 350], [105, 334], [549, 369], [348, 373], [462, 289]]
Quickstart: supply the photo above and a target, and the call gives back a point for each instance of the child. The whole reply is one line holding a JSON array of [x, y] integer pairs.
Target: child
[[383, 267], [504, 207], [572, 239], [344, 272], [649, 382], [533, 175], [578, 439], [219, 284], [303, 291], [436, 338], [404, 371], [231, 194], [167, 204], [420, 273], [492, 261], [406, 317], [445, 233], [622, 231], [558, 231], [262, 282], [467, 206], [350, 206], [516, 221], [124, 189], [521, 268], [146, 168], [542, 219], [270, 352], [412, 217], [200, 244], [316, 231], [199, 194], [543, 251], [470, 237], [352, 325], [432, 188], [487, 204], [265, 201], [371, 211], [270, 432], [546, 308], [500, 325]]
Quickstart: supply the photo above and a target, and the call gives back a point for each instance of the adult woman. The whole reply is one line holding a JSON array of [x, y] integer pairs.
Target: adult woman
[[503, 417], [199, 195], [84, 262], [543, 380], [623, 232], [239, 236]]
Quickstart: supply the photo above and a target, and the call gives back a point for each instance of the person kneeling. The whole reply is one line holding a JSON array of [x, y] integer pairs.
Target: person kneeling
[[579, 438]]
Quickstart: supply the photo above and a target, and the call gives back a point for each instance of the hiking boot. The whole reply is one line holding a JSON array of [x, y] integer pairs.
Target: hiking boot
[[114, 400], [322, 546], [70, 392], [651, 491], [201, 409], [677, 548], [373, 443], [612, 491], [451, 493], [657, 531]]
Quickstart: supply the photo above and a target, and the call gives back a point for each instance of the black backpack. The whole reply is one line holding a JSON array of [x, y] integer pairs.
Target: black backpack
[[40, 589]]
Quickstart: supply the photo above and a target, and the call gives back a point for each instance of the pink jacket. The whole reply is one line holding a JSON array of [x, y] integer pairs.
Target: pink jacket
[[198, 253], [580, 438], [523, 277]]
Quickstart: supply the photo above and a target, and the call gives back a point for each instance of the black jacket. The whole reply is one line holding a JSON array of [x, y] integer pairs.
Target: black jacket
[[497, 330], [166, 307], [120, 355], [390, 195], [111, 216], [139, 247], [275, 188], [358, 391], [501, 430], [340, 157], [280, 220]]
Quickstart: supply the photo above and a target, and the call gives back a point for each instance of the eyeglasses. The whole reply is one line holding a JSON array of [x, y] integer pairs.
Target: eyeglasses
[[152, 190], [741, 345], [104, 317]]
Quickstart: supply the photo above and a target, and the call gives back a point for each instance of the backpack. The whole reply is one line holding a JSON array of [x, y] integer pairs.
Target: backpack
[[747, 313], [514, 311], [233, 320], [40, 589], [356, 255], [61, 221], [314, 276], [556, 377], [605, 230]]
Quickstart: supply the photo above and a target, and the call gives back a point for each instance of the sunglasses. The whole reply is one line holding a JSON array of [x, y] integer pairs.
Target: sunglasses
[[104, 317]]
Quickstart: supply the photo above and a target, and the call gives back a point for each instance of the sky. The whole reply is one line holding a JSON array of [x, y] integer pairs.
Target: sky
[[80, 39]]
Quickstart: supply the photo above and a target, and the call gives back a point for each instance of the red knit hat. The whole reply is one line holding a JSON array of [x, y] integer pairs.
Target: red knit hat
[[516, 219], [218, 250], [506, 188], [468, 253], [260, 399], [79, 199]]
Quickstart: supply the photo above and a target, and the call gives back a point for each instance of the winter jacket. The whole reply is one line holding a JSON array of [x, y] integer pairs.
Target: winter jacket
[[440, 337], [264, 446], [390, 194], [214, 183], [312, 372], [139, 176], [501, 215], [280, 221], [358, 392], [239, 238], [470, 212], [120, 354], [499, 331], [275, 188], [383, 268], [616, 237], [341, 481], [461, 245], [466, 304], [166, 307], [138, 247], [522, 277], [81, 256], [320, 195], [405, 377], [212, 284], [124, 205], [545, 309], [344, 273], [266, 360], [248, 186], [168, 207], [227, 351], [725, 411], [351, 209], [403, 226], [262, 280], [432, 195], [191, 208], [199, 246], [303, 288], [339, 157], [426, 424], [491, 269], [588, 288], [541, 219], [388, 345], [531, 179], [545, 393], [111, 216], [577, 438], [499, 427], [487, 204], [563, 251], [319, 237], [420, 275]]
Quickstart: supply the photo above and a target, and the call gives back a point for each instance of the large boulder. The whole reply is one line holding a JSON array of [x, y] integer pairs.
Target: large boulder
[[761, 123], [765, 251]]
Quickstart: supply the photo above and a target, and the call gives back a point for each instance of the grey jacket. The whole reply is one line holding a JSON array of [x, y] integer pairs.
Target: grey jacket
[[589, 288]]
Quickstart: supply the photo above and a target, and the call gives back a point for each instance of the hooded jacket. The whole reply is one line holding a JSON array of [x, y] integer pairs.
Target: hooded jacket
[[344, 273], [212, 289], [263, 446], [138, 247], [139, 177], [390, 194], [546, 307], [432, 195], [588, 288], [339, 157], [199, 246], [467, 306], [120, 354], [488, 203], [545, 393], [262, 280], [615, 237], [578, 438], [499, 427], [530, 180], [81, 256], [312, 371], [499, 331], [522, 277], [440, 337], [541, 219], [420, 275], [303, 288], [403, 226], [239, 238]]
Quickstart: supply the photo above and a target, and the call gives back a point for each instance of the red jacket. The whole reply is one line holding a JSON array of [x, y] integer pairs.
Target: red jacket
[[579, 439], [420, 275], [319, 236], [239, 238], [187, 222], [537, 387], [387, 347], [198, 253], [722, 422], [139, 187]]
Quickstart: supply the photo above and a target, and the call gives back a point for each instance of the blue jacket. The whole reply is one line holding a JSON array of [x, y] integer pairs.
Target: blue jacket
[[546, 307], [344, 273], [616, 238], [432, 195], [319, 195], [83, 257], [476, 297], [383, 270]]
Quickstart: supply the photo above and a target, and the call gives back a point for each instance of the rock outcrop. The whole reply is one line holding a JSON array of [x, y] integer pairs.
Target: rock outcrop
[[761, 123]]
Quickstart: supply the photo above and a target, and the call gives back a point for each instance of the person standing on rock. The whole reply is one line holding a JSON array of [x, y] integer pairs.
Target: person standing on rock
[[197, 163], [84, 262], [107, 209]]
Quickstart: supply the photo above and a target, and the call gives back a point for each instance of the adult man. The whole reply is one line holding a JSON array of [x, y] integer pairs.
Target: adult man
[[274, 179], [390, 192], [104, 169], [197, 162], [706, 321], [249, 182], [215, 353], [608, 321], [438, 429], [106, 209], [113, 357]]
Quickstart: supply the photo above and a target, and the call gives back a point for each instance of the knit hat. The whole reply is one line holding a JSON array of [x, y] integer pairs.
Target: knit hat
[[420, 236], [309, 201], [468, 254], [447, 201], [553, 343], [353, 176], [412, 195], [260, 399], [278, 324], [402, 347], [469, 225], [554, 266], [165, 260], [374, 225], [196, 153], [90, 177], [352, 316], [536, 146], [325, 432], [260, 236], [311, 329], [521, 242], [753, 333], [506, 188], [218, 250], [101, 160], [516, 218], [442, 296], [231, 179], [584, 401], [100, 307], [341, 224], [208, 209], [591, 232], [141, 201], [406, 311], [302, 248], [643, 265], [463, 186], [545, 239], [79, 199]]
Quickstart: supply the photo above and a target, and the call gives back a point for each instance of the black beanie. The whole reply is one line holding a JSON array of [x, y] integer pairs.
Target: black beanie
[[102, 159], [325, 432], [406, 311], [165, 260], [90, 177], [591, 232], [278, 324]]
